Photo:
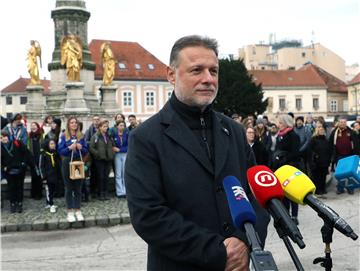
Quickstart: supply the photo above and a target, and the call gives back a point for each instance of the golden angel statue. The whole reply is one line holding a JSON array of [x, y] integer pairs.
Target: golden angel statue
[[109, 63], [71, 56], [33, 68]]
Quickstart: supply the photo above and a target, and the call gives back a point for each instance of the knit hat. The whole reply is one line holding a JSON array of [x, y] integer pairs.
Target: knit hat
[[16, 116], [291, 114], [299, 118], [259, 120]]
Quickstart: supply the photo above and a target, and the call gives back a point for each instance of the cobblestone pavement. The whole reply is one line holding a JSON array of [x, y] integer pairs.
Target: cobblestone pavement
[[36, 217]]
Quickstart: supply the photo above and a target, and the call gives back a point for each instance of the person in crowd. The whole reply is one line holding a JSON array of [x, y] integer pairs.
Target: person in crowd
[[237, 117], [54, 134], [72, 145], [266, 121], [15, 157], [273, 138], [342, 144], [176, 163], [35, 144], [287, 152], [49, 164], [262, 135], [117, 118], [356, 132], [309, 123], [132, 122], [261, 155], [16, 129], [120, 137], [101, 150], [319, 159], [248, 122], [55, 129], [88, 135], [305, 137], [46, 125], [85, 188]]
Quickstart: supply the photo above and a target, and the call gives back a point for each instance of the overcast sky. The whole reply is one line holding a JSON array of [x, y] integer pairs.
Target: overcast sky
[[156, 24]]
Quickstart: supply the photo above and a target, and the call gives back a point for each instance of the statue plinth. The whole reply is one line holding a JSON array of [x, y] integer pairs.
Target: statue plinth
[[35, 98], [108, 94], [75, 97]]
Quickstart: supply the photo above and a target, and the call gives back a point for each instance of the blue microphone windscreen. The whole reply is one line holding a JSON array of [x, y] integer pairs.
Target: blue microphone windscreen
[[240, 207]]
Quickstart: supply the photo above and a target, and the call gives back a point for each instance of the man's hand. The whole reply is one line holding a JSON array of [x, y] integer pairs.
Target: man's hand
[[237, 255]]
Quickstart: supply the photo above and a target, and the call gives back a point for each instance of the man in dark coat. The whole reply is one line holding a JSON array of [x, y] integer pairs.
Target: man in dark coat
[[175, 167]]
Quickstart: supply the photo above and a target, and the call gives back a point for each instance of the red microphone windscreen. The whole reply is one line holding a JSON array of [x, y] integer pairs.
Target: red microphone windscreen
[[264, 184]]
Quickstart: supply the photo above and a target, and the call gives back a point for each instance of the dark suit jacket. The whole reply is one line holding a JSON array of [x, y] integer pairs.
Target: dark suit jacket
[[175, 196]]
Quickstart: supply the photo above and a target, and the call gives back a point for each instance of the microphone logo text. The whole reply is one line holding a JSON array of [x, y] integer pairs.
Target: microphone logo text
[[239, 192], [265, 178]]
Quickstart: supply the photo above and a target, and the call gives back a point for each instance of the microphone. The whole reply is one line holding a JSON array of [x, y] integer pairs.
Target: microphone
[[244, 218], [268, 192], [299, 188]]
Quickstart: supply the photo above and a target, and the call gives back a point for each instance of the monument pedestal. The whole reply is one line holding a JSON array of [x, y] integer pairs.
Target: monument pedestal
[[75, 101], [35, 98], [108, 103]]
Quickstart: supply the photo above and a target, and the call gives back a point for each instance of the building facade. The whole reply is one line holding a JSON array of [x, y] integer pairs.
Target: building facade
[[309, 89], [354, 95], [263, 57]]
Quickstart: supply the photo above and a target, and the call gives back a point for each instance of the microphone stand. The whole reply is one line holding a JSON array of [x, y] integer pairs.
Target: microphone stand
[[289, 247], [326, 232]]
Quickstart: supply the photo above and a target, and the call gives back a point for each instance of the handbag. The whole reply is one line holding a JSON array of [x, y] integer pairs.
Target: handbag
[[76, 168]]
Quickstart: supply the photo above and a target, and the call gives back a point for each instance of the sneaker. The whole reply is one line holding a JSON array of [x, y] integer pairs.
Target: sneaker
[[53, 209], [350, 191], [47, 206], [71, 217], [79, 216], [338, 192]]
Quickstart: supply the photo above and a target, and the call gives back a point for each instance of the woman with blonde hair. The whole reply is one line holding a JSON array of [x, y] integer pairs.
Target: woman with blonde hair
[[72, 145]]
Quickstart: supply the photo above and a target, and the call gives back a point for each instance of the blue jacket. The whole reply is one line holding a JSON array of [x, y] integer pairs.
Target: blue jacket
[[18, 132], [124, 144], [63, 146]]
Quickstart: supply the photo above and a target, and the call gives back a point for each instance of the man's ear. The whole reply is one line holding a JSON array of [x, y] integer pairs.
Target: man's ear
[[171, 75]]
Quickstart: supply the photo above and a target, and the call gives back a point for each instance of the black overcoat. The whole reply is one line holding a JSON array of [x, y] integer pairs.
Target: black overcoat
[[175, 196]]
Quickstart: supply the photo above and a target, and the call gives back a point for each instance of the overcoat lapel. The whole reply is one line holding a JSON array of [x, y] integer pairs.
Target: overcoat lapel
[[182, 135], [221, 143]]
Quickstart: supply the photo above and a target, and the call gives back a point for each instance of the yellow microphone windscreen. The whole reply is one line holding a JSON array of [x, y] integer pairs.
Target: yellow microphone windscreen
[[295, 183]]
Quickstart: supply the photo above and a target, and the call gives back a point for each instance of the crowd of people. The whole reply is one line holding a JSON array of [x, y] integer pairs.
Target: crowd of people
[[305, 143], [48, 152]]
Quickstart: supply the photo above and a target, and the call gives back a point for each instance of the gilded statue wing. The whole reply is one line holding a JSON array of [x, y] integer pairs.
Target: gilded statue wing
[[102, 47], [63, 48], [38, 51], [79, 48]]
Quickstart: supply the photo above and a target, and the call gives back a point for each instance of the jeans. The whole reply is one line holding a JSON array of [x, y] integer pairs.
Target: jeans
[[72, 187], [120, 158]]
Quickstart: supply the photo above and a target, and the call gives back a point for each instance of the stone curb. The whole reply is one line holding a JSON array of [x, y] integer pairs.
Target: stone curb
[[61, 224]]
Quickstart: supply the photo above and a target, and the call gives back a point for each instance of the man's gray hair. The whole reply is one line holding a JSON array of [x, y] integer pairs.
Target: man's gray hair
[[287, 120], [191, 41]]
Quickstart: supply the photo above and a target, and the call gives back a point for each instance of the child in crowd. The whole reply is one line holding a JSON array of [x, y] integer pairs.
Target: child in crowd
[[49, 169]]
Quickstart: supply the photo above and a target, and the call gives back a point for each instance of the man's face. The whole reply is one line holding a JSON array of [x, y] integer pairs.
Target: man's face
[[342, 123], [132, 121], [96, 121], [299, 123], [4, 139], [195, 78]]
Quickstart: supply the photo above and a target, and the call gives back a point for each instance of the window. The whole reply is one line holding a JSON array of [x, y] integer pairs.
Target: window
[[137, 66], [282, 104], [333, 106], [316, 103], [150, 98], [254, 50], [303, 54], [298, 104], [9, 115], [23, 100], [127, 98], [151, 66], [122, 66], [8, 100]]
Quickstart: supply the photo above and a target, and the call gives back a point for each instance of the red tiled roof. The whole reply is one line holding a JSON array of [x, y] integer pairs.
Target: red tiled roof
[[20, 85], [333, 83], [129, 53], [355, 80], [287, 78]]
